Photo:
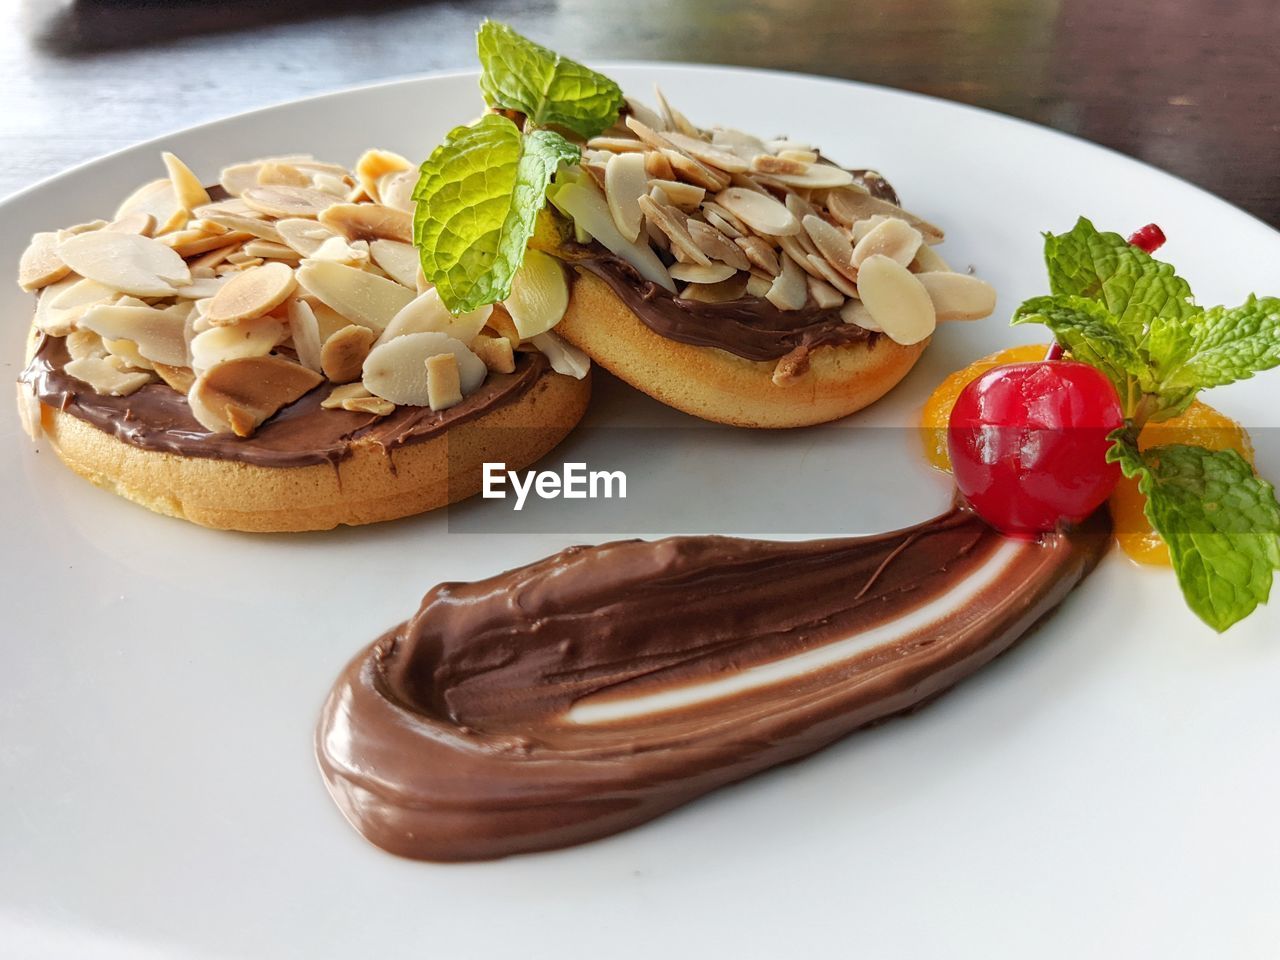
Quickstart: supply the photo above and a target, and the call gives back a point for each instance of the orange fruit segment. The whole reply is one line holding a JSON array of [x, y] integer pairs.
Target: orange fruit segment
[[937, 409], [1200, 426]]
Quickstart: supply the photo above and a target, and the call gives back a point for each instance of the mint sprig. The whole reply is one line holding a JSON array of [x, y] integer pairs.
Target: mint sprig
[[1118, 308], [479, 193]]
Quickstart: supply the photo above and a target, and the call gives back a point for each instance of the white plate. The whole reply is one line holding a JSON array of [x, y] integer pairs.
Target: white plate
[[1110, 783]]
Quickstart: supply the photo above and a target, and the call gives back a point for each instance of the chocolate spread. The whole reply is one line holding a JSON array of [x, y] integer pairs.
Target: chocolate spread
[[596, 689], [748, 327], [157, 417]]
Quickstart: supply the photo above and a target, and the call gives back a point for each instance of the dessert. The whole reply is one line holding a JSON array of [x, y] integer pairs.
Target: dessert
[[747, 281], [601, 687], [262, 355]]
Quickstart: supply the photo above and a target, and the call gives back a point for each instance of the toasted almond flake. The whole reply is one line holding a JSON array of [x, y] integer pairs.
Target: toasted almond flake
[[760, 252], [239, 395], [803, 156], [373, 165], [192, 243], [742, 144], [62, 304], [671, 117], [85, 343], [108, 376], [625, 181], [928, 260], [564, 357], [760, 212], [696, 172], [717, 246], [368, 221], [339, 396], [800, 207], [126, 354], [40, 264], [137, 222], [239, 177], [396, 189], [240, 261], [757, 286], [275, 173], [709, 154], [249, 338], [251, 294], [892, 238], [896, 299], [854, 312], [339, 250], [304, 330], [359, 296], [658, 167], [340, 188], [374, 405], [179, 378], [617, 144], [342, 356], [495, 353], [848, 206], [212, 259], [250, 225], [816, 176], [539, 295], [271, 251], [698, 273], [500, 323], [824, 294], [287, 201], [427, 313], [685, 196], [798, 248], [396, 370], [399, 261], [303, 235], [126, 262], [833, 244], [644, 113], [671, 222], [958, 296], [187, 188], [444, 388], [823, 270], [158, 334], [732, 288], [767, 163], [156, 199], [862, 227], [584, 203], [789, 290]]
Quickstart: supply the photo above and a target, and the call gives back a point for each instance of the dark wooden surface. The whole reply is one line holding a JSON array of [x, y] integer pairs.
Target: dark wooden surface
[[1192, 86]]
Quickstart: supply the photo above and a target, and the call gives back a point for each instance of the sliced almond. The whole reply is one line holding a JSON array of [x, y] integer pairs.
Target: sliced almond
[[958, 296], [359, 296], [160, 335], [862, 227], [40, 264], [816, 176], [672, 118], [698, 273], [125, 262], [823, 294], [251, 294], [708, 153], [339, 396], [156, 199], [500, 323], [396, 189], [625, 182], [760, 253], [287, 201], [928, 260], [736, 142], [188, 189], [368, 221], [644, 113], [252, 226], [399, 261], [239, 395], [671, 222], [374, 405], [683, 195], [108, 376], [832, 243], [191, 243], [721, 291], [62, 304], [696, 172], [789, 290], [768, 163], [657, 166], [892, 238], [426, 313], [617, 144], [342, 356], [757, 286], [800, 207], [495, 353], [444, 388], [760, 212], [896, 299], [854, 312], [565, 358], [821, 269], [305, 236], [584, 203], [127, 354], [352, 253], [136, 222], [238, 178], [250, 338], [85, 343], [539, 295], [373, 165], [271, 251], [396, 370], [717, 246], [274, 173], [304, 330], [179, 378], [849, 205]]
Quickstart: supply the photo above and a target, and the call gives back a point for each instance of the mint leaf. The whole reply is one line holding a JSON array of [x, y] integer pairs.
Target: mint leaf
[[546, 87], [478, 197], [1135, 287], [1091, 334], [1220, 520], [1224, 345]]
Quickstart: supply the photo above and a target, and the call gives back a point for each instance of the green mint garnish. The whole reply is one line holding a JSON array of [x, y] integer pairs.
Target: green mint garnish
[[1119, 309], [550, 90], [479, 193]]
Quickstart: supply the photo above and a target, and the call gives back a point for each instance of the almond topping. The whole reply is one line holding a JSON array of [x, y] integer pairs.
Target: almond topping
[[63, 303], [625, 181], [343, 354], [396, 189], [340, 395], [760, 253], [160, 335], [305, 236], [426, 313], [892, 238], [187, 188], [697, 273], [767, 163], [657, 166], [444, 389], [85, 343], [824, 295], [760, 212], [156, 199], [239, 395], [287, 201], [373, 165], [564, 357], [789, 290], [716, 245], [849, 206], [399, 261], [368, 221], [709, 154], [374, 405], [396, 370], [249, 338], [126, 262], [495, 353], [108, 375], [179, 378], [821, 269], [539, 295], [958, 296], [359, 296], [834, 245], [138, 222], [683, 195], [250, 294], [668, 220], [896, 299], [304, 330], [40, 264]]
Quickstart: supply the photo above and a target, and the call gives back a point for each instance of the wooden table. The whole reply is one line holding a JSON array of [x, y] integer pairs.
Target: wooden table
[[1192, 86]]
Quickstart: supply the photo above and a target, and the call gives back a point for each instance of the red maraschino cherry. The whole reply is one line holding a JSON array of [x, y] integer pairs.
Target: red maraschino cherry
[[1028, 443]]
